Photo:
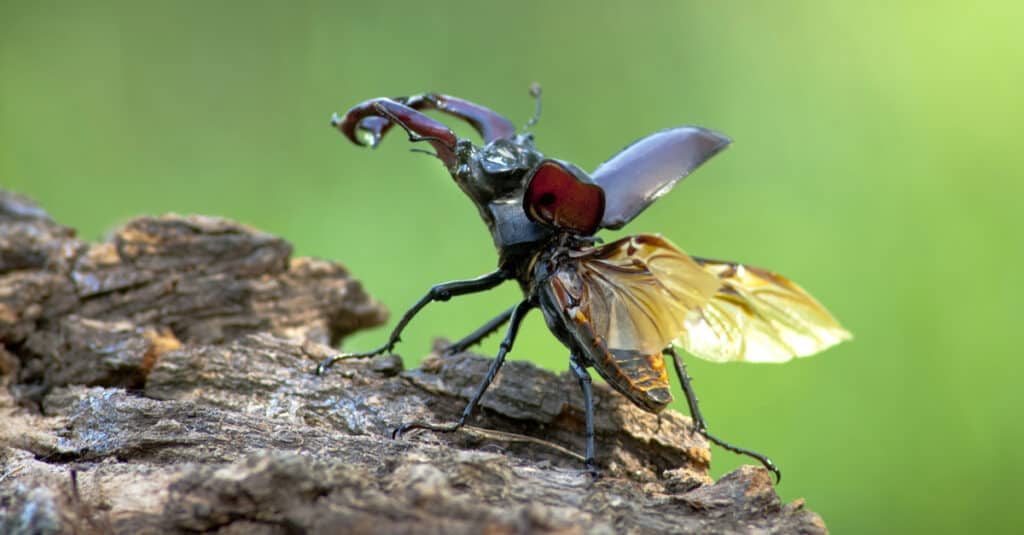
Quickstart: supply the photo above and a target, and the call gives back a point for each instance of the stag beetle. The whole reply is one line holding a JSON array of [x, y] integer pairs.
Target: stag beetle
[[621, 307]]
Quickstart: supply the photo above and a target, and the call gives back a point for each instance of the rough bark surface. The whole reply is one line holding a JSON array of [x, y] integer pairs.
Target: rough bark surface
[[162, 382]]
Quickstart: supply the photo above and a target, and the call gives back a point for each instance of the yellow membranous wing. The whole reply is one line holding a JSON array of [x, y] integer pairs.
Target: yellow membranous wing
[[757, 316], [626, 301]]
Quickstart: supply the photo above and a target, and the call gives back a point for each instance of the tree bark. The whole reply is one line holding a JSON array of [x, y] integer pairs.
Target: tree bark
[[162, 382]]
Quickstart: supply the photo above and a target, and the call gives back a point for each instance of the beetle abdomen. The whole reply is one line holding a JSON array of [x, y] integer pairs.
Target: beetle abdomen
[[641, 378], [639, 375]]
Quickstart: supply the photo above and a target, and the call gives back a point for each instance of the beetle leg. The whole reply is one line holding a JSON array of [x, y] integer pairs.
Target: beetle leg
[[474, 337], [701, 425], [588, 403], [518, 313], [376, 117], [440, 292]]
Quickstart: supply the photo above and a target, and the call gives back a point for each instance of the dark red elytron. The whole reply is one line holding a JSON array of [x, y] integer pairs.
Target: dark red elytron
[[619, 308]]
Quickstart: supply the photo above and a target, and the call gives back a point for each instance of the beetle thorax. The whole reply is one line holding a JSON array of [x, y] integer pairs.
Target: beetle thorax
[[493, 178]]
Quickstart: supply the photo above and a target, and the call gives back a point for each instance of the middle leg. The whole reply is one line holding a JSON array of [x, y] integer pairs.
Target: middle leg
[[476, 336], [518, 313], [588, 403]]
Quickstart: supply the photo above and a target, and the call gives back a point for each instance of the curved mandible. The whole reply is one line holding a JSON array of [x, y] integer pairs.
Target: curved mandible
[[488, 123], [376, 116]]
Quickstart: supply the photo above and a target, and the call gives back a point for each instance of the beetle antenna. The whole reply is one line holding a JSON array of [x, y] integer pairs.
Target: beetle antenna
[[535, 93]]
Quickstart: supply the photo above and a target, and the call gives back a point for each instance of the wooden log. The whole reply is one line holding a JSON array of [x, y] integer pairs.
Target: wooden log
[[162, 382]]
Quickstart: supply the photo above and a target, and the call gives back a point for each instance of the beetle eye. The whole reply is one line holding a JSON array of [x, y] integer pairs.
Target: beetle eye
[[561, 196]]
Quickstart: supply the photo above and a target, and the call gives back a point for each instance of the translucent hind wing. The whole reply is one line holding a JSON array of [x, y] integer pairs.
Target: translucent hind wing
[[757, 316]]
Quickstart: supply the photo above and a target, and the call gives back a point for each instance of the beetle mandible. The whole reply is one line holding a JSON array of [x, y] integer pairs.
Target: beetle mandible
[[619, 308]]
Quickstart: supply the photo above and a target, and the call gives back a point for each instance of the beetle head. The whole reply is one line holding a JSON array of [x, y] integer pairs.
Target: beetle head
[[495, 172], [494, 177], [523, 197]]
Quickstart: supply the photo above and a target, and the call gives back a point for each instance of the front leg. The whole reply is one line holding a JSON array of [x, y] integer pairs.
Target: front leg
[[440, 292], [518, 313]]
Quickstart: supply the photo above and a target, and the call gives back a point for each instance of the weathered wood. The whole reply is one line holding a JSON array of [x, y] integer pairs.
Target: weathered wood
[[102, 314], [170, 370]]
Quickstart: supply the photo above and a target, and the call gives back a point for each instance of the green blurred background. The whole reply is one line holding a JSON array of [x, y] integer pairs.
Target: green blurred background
[[876, 162]]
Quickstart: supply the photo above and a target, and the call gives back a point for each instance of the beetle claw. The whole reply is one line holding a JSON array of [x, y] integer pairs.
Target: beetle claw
[[412, 426], [321, 368], [590, 466]]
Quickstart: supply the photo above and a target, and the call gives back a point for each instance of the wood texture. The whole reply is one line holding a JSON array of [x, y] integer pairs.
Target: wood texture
[[161, 382]]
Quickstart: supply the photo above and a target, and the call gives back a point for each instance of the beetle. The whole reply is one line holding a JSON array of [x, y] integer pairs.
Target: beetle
[[621, 307]]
